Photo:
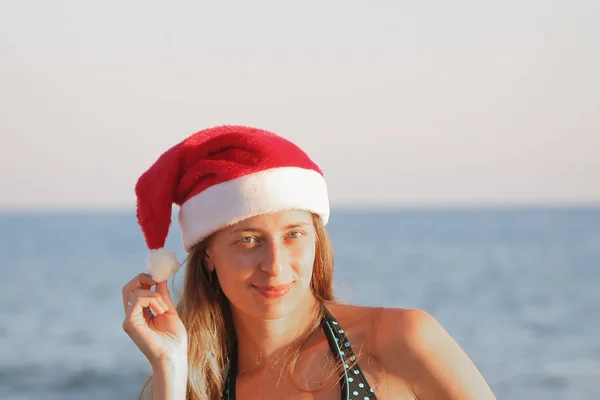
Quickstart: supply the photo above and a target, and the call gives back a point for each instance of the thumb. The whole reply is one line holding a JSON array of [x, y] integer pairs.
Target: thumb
[[163, 289]]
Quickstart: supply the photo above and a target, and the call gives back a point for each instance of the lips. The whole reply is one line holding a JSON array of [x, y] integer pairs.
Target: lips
[[273, 292]]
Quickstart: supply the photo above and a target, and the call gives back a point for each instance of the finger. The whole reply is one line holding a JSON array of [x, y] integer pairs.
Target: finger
[[140, 280], [141, 315], [163, 289], [157, 306], [143, 281], [143, 298], [151, 294], [140, 305]]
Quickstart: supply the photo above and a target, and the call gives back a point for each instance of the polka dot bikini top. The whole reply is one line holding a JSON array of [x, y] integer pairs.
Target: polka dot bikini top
[[353, 382]]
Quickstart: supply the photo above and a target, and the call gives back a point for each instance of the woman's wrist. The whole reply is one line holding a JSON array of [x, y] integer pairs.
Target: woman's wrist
[[169, 379]]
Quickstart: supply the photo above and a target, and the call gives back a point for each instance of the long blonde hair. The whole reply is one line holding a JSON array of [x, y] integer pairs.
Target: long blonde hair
[[206, 315]]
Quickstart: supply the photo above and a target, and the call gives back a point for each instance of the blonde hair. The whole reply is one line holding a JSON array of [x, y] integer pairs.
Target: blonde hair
[[206, 315]]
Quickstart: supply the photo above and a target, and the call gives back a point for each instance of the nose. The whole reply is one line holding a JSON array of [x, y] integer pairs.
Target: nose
[[274, 258]]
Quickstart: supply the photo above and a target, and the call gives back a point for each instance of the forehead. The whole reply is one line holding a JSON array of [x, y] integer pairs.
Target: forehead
[[272, 222]]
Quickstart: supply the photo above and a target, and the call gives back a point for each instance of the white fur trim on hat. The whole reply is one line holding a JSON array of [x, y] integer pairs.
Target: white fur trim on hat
[[263, 192]]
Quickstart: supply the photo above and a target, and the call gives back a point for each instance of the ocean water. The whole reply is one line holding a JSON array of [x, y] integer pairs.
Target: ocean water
[[518, 289]]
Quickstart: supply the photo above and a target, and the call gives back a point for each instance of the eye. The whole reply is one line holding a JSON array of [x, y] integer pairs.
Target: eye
[[248, 240], [294, 235]]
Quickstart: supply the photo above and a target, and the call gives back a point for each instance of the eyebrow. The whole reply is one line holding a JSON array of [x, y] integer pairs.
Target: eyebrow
[[254, 229]]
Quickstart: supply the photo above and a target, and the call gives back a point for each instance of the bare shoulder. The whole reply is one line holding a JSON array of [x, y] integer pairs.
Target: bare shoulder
[[414, 347], [359, 323], [353, 317]]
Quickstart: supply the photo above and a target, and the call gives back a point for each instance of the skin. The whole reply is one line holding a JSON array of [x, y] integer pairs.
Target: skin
[[404, 353]]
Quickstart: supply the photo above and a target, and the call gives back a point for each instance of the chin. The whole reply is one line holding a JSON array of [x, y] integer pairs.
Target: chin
[[272, 311]]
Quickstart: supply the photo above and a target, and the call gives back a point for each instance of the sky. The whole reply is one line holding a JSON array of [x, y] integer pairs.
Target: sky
[[430, 103]]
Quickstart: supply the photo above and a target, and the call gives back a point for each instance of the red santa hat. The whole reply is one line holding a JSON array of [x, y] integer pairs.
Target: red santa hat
[[218, 177]]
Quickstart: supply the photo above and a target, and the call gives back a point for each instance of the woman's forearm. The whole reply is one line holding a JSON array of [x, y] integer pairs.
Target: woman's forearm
[[169, 381]]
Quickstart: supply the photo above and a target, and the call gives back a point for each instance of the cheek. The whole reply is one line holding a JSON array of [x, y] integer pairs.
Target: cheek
[[304, 257], [233, 268]]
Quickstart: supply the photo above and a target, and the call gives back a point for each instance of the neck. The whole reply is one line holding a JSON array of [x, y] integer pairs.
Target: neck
[[265, 342]]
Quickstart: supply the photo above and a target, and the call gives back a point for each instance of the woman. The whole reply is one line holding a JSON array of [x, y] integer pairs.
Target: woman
[[257, 318]]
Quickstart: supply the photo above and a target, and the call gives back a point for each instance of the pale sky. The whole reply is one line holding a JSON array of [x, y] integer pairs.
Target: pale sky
[[400, 103]]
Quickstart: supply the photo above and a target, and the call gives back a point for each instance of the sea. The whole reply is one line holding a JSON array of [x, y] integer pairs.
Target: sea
[[517, 288]]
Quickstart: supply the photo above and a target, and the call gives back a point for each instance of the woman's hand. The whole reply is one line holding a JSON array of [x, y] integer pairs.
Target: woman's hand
[[161, 337]]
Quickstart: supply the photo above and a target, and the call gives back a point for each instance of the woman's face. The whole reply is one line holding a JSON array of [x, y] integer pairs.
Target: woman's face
[[265, 263]]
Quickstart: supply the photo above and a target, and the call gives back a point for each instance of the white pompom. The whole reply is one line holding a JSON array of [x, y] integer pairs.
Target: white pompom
[[161, 264]]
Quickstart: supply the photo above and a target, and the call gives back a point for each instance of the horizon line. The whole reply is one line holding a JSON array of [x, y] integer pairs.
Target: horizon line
[[340, 207]]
